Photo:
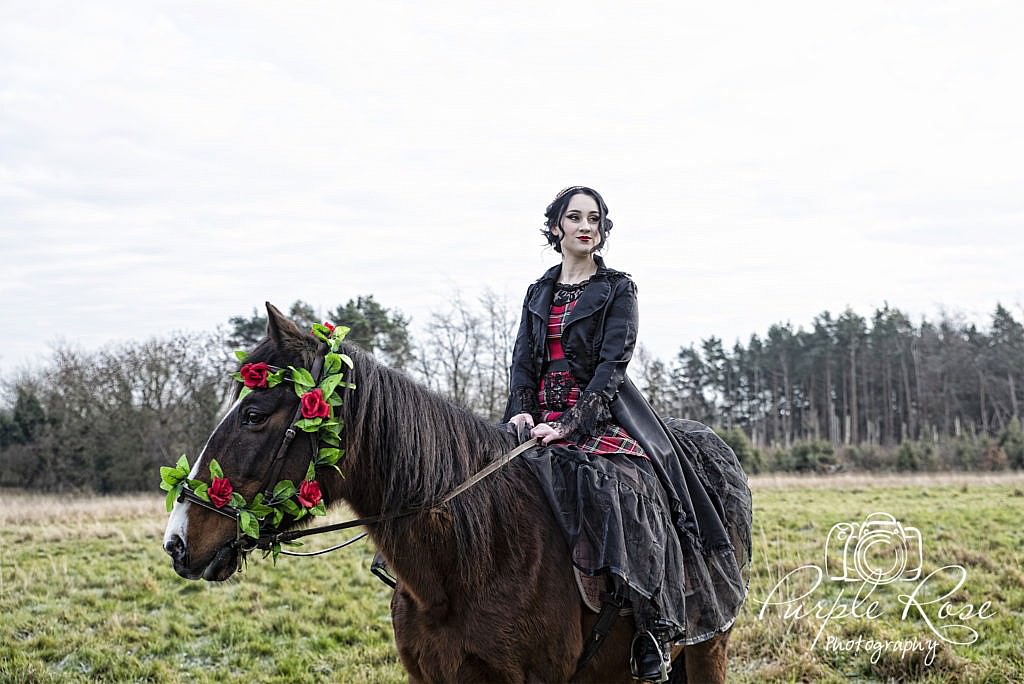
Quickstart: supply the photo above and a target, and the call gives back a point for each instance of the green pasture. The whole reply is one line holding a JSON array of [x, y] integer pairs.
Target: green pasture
[[87, 594]]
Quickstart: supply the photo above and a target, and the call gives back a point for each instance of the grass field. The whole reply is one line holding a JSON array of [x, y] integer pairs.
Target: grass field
[[87, 594]]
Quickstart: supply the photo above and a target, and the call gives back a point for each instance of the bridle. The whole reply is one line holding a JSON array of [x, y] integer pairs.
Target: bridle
[[268, 541]]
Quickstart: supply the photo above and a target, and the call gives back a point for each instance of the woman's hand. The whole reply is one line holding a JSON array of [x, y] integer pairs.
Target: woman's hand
[[523, 423], [522, 419], [548, 432]]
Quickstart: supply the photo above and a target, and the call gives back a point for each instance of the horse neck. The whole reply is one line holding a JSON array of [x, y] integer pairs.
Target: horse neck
[[407, 447]]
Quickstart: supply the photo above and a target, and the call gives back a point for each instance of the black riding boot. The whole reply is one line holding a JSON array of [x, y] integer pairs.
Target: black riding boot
[[650, 657]]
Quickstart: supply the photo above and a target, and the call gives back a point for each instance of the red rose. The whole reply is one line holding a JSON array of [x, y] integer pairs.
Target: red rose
[[329, 326], [220, 491], [255, 374], [314, 406], [309, 493]]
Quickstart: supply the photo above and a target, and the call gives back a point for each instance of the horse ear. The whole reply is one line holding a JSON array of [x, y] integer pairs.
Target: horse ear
[[279, 328]]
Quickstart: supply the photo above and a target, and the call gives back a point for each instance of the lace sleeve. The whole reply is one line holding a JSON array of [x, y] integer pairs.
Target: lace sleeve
[[524, 400], [586, 417]]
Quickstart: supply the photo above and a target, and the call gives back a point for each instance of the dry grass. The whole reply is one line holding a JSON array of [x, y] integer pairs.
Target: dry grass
[[887, 480], [20, 508]]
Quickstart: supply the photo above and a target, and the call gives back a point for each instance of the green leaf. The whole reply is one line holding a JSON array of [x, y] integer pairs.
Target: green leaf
[[302, 377], [199, 488], [335, 400], [347, 360], [340, 331], [300, 514], [182, 463], [171, 496], [215, 470], [274, 379], [247, 521], [260, 510], [291, 508], [332, 363], [237, 500], [328, 456], [329, 383], [283, 490], [241, 355], [311, 471], [278, 517], [246, 391], [237, 377], [319, 509], [320, 331], [170, 476], [309, 424], [328, 437]]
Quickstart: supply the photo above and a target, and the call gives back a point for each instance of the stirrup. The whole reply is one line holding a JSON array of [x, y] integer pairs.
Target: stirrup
[[663, 658]]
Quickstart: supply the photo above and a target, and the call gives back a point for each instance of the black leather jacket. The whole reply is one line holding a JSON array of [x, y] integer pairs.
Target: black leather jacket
[[598, 338]]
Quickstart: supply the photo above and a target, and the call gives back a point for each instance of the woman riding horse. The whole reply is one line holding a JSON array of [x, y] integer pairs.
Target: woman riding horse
[[624, 489]]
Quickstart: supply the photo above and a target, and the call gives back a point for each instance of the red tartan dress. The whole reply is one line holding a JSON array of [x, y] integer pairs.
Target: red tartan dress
[[559, 390]]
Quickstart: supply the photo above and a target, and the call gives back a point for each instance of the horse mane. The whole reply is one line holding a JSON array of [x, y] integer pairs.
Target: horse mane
[[407, 446], [422, 446]]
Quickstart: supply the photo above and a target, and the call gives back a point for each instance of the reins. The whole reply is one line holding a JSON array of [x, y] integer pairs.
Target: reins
[[266, 541]]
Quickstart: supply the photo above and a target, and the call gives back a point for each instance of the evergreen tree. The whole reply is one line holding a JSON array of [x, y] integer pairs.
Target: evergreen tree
[[383, 332]]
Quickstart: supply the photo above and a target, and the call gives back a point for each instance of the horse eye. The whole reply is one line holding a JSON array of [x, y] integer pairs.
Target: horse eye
[[253, 417]]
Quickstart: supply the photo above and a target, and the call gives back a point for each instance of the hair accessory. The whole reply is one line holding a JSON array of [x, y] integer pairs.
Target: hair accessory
[[564, 191]]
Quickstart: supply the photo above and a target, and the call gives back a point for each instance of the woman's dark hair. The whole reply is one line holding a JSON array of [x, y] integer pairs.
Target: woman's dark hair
[[556, 211]]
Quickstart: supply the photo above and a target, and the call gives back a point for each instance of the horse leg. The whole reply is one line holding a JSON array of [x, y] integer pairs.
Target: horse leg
[[705, 662], [401, 620]]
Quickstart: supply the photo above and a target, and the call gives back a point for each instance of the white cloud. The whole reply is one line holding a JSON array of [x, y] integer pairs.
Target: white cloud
[[168, 166]]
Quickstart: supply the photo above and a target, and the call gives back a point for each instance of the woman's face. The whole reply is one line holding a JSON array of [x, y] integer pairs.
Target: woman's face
[[578, 230]]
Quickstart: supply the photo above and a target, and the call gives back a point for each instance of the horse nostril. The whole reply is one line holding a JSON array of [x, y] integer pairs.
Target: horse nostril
[[175, 547]]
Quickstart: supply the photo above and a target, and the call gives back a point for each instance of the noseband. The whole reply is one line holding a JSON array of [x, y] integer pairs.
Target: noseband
[[267, 541]]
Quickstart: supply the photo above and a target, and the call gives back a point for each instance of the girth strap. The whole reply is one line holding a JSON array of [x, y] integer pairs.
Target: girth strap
[[611, 604]]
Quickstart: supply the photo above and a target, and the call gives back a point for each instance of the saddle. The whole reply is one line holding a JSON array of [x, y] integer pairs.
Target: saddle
[[592, 588]]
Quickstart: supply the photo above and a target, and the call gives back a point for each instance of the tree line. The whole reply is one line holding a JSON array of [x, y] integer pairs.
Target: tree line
[[867, 393], [852, 380]]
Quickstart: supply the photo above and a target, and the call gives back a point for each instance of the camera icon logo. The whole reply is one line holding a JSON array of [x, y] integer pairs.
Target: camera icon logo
[[880, 550]]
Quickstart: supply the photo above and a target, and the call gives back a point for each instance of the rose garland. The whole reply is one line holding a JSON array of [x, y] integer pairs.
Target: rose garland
[[318, 403]]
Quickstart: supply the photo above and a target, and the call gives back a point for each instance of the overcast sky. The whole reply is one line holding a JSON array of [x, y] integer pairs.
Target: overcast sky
[[164, 166]]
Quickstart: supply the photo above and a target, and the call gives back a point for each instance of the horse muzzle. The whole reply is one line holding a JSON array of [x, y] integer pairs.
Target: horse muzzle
[[217, 569]]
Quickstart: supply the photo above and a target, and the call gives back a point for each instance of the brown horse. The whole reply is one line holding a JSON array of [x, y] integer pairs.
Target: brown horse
[[486, 591]]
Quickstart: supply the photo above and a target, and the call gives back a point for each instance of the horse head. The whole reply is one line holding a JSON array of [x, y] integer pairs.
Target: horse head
[[233, 480]]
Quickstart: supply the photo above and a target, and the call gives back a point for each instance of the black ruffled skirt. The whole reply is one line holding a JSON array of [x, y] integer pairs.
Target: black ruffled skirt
[[615, 517]]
